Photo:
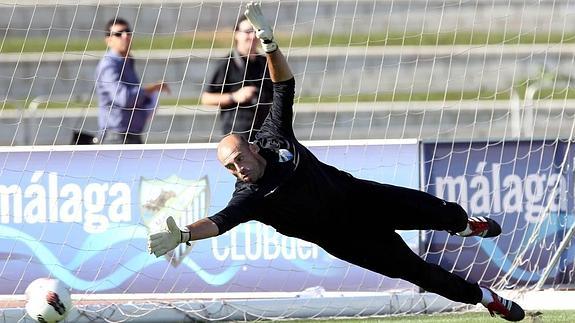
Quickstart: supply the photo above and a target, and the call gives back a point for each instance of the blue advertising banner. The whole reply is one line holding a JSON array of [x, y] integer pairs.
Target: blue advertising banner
[[82, 214], [526, 186]]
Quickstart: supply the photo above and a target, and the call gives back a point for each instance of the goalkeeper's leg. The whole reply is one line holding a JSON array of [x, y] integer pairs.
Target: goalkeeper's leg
[[389, 255], [392, 257], [407, 265], [410, 209]]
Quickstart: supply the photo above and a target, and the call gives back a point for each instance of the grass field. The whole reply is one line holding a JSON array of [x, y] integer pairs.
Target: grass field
[[473, 317], [544, 94], [223, 40]]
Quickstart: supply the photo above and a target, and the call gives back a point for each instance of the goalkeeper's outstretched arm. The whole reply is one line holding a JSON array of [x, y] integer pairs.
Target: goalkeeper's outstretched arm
[[277, 63], [278, 66]]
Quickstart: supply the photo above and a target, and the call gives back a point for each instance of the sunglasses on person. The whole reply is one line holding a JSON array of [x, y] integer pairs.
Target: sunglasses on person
[[119, 33]]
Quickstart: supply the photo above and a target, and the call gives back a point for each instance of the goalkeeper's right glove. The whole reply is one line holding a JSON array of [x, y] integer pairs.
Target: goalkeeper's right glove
[[263, 30], [168, 239]]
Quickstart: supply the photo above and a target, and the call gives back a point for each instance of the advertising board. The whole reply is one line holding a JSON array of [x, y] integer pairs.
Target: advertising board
[[83, 214], [526, 186]]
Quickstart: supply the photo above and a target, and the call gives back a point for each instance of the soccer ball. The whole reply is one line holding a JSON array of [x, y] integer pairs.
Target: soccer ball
[[47, 300]]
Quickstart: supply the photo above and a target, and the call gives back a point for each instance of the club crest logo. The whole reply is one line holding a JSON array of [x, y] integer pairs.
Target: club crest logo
[[284, 155], [185, 200]]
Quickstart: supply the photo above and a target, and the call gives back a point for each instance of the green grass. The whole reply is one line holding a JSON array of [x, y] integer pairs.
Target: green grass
[[474, 317], [546, 94], [224, 39]]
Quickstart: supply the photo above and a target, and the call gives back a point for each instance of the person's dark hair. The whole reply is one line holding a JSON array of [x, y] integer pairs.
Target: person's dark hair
[[115, 21], [240, 20]]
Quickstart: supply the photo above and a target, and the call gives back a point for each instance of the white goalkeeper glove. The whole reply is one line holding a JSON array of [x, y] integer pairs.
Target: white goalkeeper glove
[[168, 239], [263, 30]]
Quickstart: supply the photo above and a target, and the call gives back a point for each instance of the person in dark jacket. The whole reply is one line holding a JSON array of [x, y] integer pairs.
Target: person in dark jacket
[[282, 184], [240, 86]]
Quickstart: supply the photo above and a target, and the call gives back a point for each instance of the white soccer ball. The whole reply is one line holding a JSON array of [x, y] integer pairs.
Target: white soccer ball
[[47, 300]]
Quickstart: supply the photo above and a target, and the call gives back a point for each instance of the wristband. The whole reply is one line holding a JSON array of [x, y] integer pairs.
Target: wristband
[[269, 46], [185, 237]]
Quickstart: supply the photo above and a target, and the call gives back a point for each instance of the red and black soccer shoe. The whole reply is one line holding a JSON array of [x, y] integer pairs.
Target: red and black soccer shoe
[[481, 226], [505, 308]]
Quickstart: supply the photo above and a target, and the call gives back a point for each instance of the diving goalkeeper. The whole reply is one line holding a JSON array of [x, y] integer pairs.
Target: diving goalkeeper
[[282, 184]]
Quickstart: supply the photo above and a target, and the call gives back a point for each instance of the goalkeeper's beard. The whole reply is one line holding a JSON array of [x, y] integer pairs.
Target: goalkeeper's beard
[[245, 176]]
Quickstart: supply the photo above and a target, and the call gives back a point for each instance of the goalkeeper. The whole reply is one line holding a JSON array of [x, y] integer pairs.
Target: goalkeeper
[[282, 184]]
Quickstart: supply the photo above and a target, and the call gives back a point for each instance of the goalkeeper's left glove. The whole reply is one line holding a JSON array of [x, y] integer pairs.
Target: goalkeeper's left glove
[[168, 239], [263, 30]]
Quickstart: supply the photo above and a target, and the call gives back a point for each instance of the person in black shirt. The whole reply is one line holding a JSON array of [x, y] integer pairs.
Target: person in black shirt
[[282, 184], [240, 85]]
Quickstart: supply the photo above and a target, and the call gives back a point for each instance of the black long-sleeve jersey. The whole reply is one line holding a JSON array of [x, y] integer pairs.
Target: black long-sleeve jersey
[[298, 195], [353, 219]]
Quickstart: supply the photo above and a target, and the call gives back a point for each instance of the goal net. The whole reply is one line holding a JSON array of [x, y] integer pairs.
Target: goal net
[[470, 101]]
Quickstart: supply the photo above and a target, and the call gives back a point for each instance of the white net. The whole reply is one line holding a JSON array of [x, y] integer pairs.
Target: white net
[[470, 101]]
